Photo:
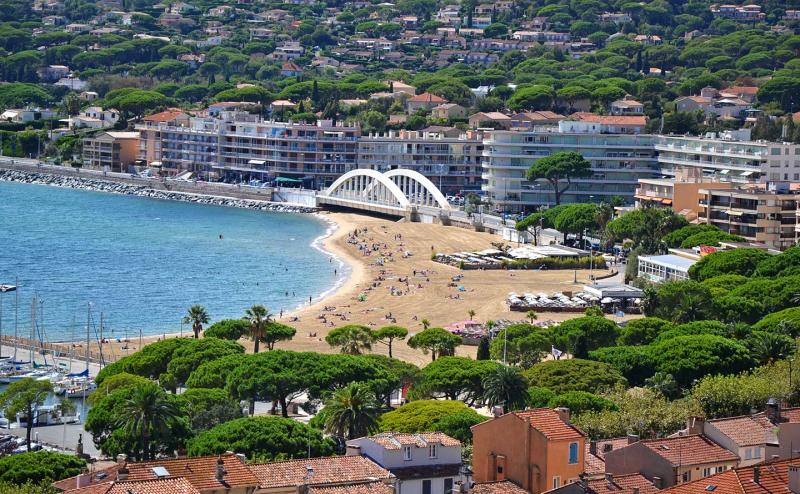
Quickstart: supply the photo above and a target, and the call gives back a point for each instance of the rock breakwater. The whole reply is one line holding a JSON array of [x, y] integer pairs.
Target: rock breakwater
[[98, 185]]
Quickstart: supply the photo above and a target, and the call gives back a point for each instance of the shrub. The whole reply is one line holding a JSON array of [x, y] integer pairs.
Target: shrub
[[581, 401], [737, 261], [575, 374], [419, 416]]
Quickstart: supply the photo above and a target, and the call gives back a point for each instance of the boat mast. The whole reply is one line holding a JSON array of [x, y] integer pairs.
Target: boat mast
[[16, 316], [33, 329]]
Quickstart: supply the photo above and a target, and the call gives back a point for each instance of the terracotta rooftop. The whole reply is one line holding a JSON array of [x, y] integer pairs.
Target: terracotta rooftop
[[170, 485], [689, 450], [365, 488], [331, 470], [164, 116], [199, 471], [101, 475], [746, 430], [611, 119], [501, 487], [773, 478], [427, 98], [548, 422], [396, 440], [593, 464], [623, 484]]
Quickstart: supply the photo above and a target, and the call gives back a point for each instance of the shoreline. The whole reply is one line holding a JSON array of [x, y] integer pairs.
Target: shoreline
[[92, 184]]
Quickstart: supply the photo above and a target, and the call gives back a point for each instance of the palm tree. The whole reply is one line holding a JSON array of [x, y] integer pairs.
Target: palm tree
[[425, 324], [505, 387], [258, 316], [663, 382], [769, 347], [197, 316], [351, 412], [688, 309], [147, 413], [531, 315], [471, 314]]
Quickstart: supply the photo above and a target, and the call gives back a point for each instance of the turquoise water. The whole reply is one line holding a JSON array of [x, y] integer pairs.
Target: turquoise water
[[143, 262]]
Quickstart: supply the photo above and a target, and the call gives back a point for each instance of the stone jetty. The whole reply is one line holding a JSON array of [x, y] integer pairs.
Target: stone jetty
[[98, 185]]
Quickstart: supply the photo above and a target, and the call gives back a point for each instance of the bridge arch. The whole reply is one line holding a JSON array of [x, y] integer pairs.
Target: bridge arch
[[367, 185], [409, 182]]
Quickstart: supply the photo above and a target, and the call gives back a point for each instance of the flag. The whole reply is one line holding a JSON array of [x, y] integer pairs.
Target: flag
[[556, 352]]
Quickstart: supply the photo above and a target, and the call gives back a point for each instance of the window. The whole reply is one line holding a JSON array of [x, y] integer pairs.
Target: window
[[756, 452], [448, 486], [573, 454], [706, 472], [432, 451], [426, 487], [556, 482], [407, 453], [686, 476], [748, 454]]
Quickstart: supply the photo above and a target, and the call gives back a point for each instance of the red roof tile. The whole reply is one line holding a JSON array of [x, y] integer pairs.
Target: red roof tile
[[200, 471], [501, 487], [164, 116], [689, 450], [773, 478], [395, 440], [365, 488], [548, 422], [331, 470], [622, 484], [427, 98], [746, 430]]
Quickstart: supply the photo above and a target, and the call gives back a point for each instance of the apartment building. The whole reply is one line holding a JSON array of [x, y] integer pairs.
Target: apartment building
[[450, 158], [618, 162], [111, 151], [762, 213], [730, 156]]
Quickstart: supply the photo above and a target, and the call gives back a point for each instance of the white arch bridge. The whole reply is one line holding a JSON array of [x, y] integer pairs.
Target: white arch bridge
[[398, 192]]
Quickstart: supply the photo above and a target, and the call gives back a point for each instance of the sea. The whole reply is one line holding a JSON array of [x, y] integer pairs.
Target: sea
[[140, 263]]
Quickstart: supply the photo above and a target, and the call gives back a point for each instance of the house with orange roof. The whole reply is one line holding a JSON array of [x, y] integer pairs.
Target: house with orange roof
[[423, 463], [781, 477], [537, 449], [424, 101], [584, 122], [226, 473], [633, 483], [498, 487], [322, 474], [170, 485], [670, 461]]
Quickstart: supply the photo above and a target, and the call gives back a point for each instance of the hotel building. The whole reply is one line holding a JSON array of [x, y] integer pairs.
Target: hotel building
[[618, 161]]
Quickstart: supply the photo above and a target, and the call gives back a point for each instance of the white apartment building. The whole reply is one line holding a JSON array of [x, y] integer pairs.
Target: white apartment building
[[618, 162], [450, 158], [424, 463], [731, 156]]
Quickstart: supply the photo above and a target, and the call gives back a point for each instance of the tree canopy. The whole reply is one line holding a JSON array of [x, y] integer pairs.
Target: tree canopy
[[575, 374]]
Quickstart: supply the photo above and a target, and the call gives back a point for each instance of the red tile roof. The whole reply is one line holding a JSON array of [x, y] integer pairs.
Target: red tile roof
[[164, 116], [746, 430], [427, 98], [622, 484], [501, 487], [199, 471], [611, 119], [396, 440], [365, 488], [593, 464], [773, 478], [548, 422], [170, 485], [101, 475], [331, 470], [689, 450]]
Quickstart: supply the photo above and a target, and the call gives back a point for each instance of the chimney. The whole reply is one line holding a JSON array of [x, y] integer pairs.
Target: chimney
[[593, 447], [635, 490], [497, 411], [794, 479], [757, 474], [633, 438], [220, 470], [610, 480], [695, 425], [563, 414], [658, 483], [122, 473], [122, 458], [773, 410]]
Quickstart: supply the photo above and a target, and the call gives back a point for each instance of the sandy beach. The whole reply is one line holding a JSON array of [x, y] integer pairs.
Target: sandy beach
[[374, 294]]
